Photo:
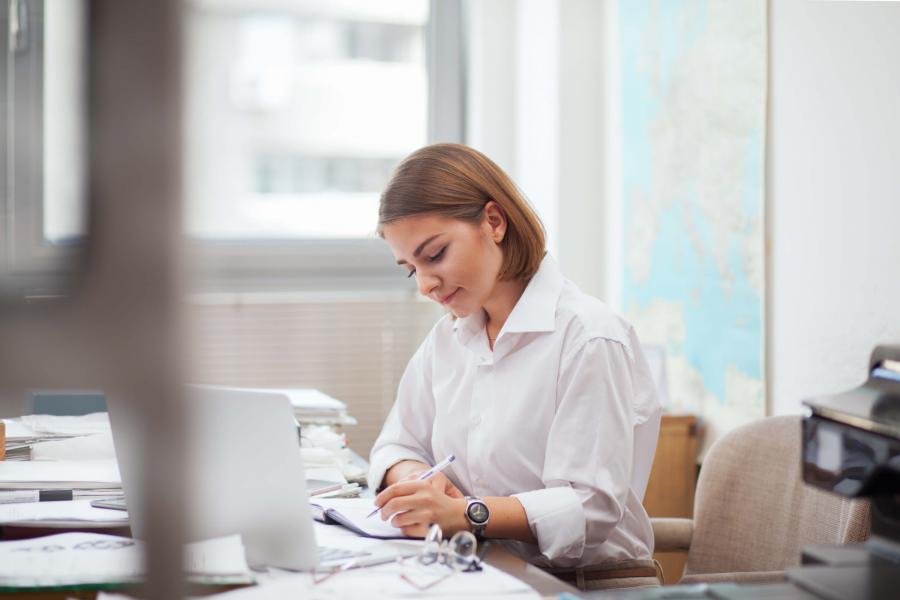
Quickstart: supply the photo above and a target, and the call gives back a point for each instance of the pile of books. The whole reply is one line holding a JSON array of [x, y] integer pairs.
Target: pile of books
[[27, 433], [72, 454], [312, 407]]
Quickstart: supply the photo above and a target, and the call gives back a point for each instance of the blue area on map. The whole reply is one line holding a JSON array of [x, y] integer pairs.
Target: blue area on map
[[723, 324]]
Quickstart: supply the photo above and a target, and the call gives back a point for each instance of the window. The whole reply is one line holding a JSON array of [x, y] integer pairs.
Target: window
[[295, 114], [295, 118]]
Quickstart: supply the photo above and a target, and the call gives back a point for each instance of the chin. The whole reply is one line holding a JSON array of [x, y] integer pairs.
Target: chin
[[460, 313]]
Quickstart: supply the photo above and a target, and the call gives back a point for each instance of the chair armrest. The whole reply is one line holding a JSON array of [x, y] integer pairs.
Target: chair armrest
[[740, 577], [672, 535]]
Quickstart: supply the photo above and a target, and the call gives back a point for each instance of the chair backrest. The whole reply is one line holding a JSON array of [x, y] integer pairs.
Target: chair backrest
[[752, 510]]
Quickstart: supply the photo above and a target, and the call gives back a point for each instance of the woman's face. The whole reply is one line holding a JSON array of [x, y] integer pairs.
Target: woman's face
[[455, 263]]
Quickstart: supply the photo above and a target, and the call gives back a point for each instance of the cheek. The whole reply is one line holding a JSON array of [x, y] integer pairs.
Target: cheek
[[489, 265]]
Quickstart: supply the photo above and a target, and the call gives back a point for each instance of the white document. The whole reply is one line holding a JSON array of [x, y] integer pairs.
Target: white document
[[73, 510], [383, 582], [68, 425], [355, 514], [305, 398], [378, 582], [91, 558], [310, 398], [17, 431], [63, 474], [98, 446]]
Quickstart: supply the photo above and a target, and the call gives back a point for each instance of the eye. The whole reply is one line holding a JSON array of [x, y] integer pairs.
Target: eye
[[437, 256]]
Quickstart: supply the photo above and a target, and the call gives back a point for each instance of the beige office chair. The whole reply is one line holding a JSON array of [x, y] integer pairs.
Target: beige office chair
[[753, 514]]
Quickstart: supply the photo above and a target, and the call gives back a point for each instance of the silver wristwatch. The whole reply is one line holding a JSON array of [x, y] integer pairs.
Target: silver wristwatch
[[477, 514]]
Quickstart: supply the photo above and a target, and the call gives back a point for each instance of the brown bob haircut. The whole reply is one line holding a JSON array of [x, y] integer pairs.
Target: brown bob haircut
[[455, 181]]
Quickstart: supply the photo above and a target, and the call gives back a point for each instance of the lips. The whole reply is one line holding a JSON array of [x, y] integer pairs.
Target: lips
[[450, 297]]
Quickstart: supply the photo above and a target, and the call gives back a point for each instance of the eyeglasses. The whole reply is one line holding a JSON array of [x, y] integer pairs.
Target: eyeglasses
[[458, 553]]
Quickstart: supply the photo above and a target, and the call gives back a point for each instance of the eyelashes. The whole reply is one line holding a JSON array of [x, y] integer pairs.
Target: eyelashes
[[432, 259]]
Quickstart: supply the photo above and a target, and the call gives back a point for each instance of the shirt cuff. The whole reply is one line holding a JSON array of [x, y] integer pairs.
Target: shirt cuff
[[387, 457], [556, 517]]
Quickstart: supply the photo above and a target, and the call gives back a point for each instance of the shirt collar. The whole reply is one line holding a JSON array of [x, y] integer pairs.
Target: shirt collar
[[535, 310]]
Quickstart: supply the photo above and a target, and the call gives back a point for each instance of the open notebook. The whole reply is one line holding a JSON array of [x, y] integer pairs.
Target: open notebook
[[351, 513]]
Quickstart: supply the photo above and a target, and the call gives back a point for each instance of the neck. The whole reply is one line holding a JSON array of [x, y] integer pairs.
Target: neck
[[500, 305]]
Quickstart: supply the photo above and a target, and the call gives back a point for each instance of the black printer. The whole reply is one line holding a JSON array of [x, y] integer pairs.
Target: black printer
[[851, 447]]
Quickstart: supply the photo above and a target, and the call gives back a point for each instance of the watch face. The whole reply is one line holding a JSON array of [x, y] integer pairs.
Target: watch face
[[478, 512]]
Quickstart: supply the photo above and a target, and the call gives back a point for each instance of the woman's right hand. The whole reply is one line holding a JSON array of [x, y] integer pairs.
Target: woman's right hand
[[438, 480], [410, 470]]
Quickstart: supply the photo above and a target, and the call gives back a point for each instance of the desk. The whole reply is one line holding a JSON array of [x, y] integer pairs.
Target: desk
[[544, 584]]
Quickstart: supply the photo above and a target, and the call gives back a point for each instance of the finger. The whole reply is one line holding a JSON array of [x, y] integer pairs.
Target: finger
[[411, 518], [401, 488], [400, 504]]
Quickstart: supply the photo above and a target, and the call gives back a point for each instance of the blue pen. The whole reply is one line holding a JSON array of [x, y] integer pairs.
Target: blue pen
[[427, 474]]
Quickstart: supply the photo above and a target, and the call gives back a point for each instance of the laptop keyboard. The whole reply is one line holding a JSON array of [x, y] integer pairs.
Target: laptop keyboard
[[330, 555]]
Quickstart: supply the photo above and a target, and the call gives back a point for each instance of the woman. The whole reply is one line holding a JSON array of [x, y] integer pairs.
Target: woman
[[540, 391]]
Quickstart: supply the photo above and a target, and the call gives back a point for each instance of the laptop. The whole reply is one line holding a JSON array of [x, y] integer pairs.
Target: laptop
[[244, 475]]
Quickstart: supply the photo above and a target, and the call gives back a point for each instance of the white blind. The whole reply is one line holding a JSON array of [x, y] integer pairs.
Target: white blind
[[354, 349]]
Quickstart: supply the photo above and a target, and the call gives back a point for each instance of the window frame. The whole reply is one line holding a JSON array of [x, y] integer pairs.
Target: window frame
[[30, 264], [35, 265]]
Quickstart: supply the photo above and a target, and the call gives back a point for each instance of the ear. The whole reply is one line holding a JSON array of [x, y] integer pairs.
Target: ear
[[494, 222]]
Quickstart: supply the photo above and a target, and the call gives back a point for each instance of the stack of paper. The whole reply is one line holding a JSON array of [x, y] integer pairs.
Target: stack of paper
[[25, 434], [62, 453], [61, 426], [61, 475], [325, 450], [88, 559], [65, 514], [313, 407], [20, 438], [86, 478]]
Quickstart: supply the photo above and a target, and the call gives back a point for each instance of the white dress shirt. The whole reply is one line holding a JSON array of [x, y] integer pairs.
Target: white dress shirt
[[550, 417]]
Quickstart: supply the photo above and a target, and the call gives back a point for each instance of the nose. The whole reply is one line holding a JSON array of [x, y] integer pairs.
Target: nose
[[427, 282]]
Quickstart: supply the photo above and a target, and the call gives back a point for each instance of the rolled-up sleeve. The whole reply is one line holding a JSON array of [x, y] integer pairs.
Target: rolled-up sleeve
[[406, 434], [587, 465]]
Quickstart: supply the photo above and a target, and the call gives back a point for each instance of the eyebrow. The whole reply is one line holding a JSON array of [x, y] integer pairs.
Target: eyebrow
[[419, 249]]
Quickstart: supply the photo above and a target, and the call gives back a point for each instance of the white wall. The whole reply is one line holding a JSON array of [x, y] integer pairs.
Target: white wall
[[833, 168], [833, 194], [536, 85]]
